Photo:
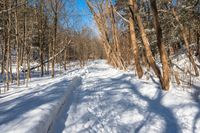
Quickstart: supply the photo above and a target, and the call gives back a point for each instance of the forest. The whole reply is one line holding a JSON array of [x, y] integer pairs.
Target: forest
[[38, 32], [149, 42], [130, 33]]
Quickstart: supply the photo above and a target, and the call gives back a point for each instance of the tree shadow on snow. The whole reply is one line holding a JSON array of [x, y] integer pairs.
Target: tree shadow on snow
[[155, 106], [196, 97], [111, 106]]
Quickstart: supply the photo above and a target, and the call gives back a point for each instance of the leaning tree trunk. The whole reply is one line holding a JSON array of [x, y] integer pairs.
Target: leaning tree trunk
[[161, 47], [183, 33], [134, 44], [115, 35], [146, 44]]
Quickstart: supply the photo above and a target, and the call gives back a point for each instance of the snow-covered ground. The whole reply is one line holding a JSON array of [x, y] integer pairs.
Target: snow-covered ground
[[112, 101], [100, 99], [33, 109]]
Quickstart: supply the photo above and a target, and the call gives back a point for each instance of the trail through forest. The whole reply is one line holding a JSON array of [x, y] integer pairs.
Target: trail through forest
[[99, 66], [112, 101]]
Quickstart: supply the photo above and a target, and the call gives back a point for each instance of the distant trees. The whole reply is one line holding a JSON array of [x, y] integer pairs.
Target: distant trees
[[106, 22], [31, 33]]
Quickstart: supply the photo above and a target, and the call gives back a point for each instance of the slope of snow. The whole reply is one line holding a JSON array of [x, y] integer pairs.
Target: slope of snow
[[33, 110], [112, 101]]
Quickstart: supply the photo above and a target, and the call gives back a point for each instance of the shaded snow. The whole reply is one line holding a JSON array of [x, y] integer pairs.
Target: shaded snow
[[112, 101], [33, 110]]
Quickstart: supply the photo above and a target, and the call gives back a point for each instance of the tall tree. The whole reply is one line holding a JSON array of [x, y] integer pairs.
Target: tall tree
[[145, 40], [134, 43], [56, 6], [17, 43], [8, 39], [161, 47]]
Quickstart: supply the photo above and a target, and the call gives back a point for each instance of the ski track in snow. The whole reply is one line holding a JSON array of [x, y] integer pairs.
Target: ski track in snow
[[112, 101], [32, 110]]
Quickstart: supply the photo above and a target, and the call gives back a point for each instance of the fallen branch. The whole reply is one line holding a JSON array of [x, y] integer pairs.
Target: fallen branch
[[39, 65], [126, 20]]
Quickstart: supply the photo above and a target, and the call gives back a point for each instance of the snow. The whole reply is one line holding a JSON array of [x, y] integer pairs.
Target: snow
[[33, 110], [100, 99], [112, 101]]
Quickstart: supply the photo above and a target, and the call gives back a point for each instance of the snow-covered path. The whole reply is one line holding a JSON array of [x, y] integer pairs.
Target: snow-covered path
[[112, 101], [99, 99]]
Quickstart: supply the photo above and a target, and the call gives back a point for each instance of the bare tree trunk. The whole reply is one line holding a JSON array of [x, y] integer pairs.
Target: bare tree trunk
[[22, 54], [134, 43], [8, 44], [161, 47], [10, 64], [17, 43], [49, 55], [145, 40], [41, 36], [65, 59], [3, 60], [115, 35], [27, 47], [54, 40], [28, 65], [183, 33]]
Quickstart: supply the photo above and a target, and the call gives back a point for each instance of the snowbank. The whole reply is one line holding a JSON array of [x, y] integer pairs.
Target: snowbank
[[34, 112]]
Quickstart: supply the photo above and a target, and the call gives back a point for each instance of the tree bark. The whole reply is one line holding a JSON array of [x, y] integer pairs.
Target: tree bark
[[146, 44], [134, 44], [17, 43], [116, 42], [7, 3], [41, 36], [3, 60], [54, 38], [161, 47]]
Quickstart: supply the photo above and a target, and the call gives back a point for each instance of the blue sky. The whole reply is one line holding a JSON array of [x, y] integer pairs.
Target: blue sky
[[84, 11], [86, 16]]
